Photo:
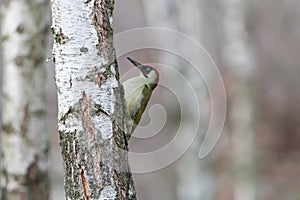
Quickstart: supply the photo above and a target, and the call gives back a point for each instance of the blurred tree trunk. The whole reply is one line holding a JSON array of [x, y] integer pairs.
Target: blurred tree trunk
[[185, 17], [24, 141], [91, 117], [239, 63], [188, 187]]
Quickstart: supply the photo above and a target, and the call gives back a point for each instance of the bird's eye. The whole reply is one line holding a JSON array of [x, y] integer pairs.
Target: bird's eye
[[148, 69]]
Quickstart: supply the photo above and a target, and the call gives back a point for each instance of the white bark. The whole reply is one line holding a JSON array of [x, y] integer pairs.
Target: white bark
[[24, 140], [90, 102]]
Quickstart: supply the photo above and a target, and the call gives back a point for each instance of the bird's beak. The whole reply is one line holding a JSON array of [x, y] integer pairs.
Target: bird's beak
[[134, 62], [139, 65]]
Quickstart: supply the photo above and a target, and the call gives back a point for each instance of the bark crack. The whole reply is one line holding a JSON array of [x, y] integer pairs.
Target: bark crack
[[102, 15], [120, 189], [84, 183], [24, 123], [88, 127]]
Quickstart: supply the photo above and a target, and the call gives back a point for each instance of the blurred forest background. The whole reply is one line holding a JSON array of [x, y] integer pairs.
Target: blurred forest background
[[256, 46]]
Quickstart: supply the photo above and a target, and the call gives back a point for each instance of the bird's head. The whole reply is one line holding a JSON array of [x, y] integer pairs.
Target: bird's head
[[148, 72]]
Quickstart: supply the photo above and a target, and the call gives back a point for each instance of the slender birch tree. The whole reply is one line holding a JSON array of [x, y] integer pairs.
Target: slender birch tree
[[240, 64], [24, 142], [91, 115]]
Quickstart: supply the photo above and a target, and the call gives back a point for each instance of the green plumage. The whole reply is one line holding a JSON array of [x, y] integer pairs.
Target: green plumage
[[138, 91], [136, 97]]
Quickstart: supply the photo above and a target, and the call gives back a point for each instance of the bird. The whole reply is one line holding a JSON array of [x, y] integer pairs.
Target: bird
[[138, 91]]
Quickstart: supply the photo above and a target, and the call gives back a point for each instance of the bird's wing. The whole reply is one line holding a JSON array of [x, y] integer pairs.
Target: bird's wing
[[141, 106]]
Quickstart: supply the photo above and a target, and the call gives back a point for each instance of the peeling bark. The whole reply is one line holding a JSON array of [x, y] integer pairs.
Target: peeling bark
[[91, 115], [24, 142]]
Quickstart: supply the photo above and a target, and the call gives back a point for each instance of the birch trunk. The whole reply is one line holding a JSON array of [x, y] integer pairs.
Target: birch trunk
[[24, 142], [91, 113]]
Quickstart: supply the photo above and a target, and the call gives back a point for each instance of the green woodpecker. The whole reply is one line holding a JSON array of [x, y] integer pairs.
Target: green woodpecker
[[138, 91]]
